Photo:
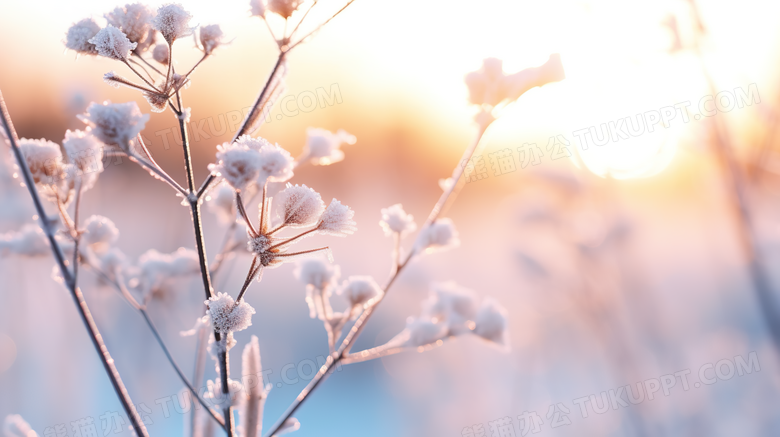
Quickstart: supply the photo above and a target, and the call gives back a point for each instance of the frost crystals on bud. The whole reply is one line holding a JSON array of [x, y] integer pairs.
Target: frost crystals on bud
[[172, 21], [361, 291], [491, 323], [317, 273], [160, 53], [298, 206], [211, 37], [79, 34], [337, 220], [86, 153], [115, 123], [440, 235], [135, 20], [112, 43], [226, 316], [396, 221]]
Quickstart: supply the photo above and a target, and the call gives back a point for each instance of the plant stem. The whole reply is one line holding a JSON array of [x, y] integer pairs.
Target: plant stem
[[69, 280], [357, 328], [260, 98]]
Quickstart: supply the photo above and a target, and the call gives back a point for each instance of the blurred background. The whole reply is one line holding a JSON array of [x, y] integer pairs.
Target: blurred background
[[619, 264]]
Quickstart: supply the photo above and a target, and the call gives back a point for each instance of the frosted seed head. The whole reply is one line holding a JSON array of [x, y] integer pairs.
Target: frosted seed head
[[226, 316], [440, 235], [155, 267], [298, 205], [492, 324], [323, 147], [361, 291], [317, 273], [396, 221], [15, 426], [99, 233], [85, 152], [337, 220], [157, 102], [257, 8], [78, 36], [422, 332], [29, 241], [259, 245], [44, 159], [160, 53], [135, 20], [237, 164], [285, 8], [221, 201], [115, 123], [172, 21], [112, 43], [277, 164], [452, 305], [211, 37]]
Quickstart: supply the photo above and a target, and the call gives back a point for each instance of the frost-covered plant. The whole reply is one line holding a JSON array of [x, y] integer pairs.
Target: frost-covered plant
[[244, 168]]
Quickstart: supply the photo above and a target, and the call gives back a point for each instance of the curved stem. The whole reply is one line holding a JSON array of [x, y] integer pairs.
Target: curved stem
[[69, 281]]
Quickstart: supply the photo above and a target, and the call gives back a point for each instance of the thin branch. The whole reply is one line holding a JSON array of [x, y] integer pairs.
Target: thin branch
[[141, 76], [70, 283], [242, 212], [148, 64], [320, 26], [305, 14], [159, 172], [260, 98]]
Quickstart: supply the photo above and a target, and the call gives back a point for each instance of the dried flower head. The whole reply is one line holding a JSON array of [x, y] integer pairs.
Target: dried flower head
[[99, 233], [285, 8], [298, 206], [439, 235], [79, 34], [238, 164], [276, 164], [453, 305], [172, 21], [491, 323], [135, 20], [257, 8], [226, 316], [29, 241], [112, 43], [222, 202], [490, 85], [86, 153], [160, 53], [323, 146], [115, 123], [156, 268], [211, 37], [420, 332], [337, 220], [361, 291], [44, 159], [317, 273], [396, 221]]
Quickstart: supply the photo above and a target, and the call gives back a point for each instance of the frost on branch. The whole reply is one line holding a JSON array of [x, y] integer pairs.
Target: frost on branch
[[29, 241], [172, 21], [337, 220], [79, 34], [323, 146], [439, 235], [251, 160], [252, 414], [225, 316], [298, 205], [135, 20], [288, 426], [115, 124], [453, 305], [113, 43], [396, 221], [211, 37], [361, 292], [15, 426], [285, 8]]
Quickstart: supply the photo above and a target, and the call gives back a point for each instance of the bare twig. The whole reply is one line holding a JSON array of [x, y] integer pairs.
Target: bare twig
[[69, 280]]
